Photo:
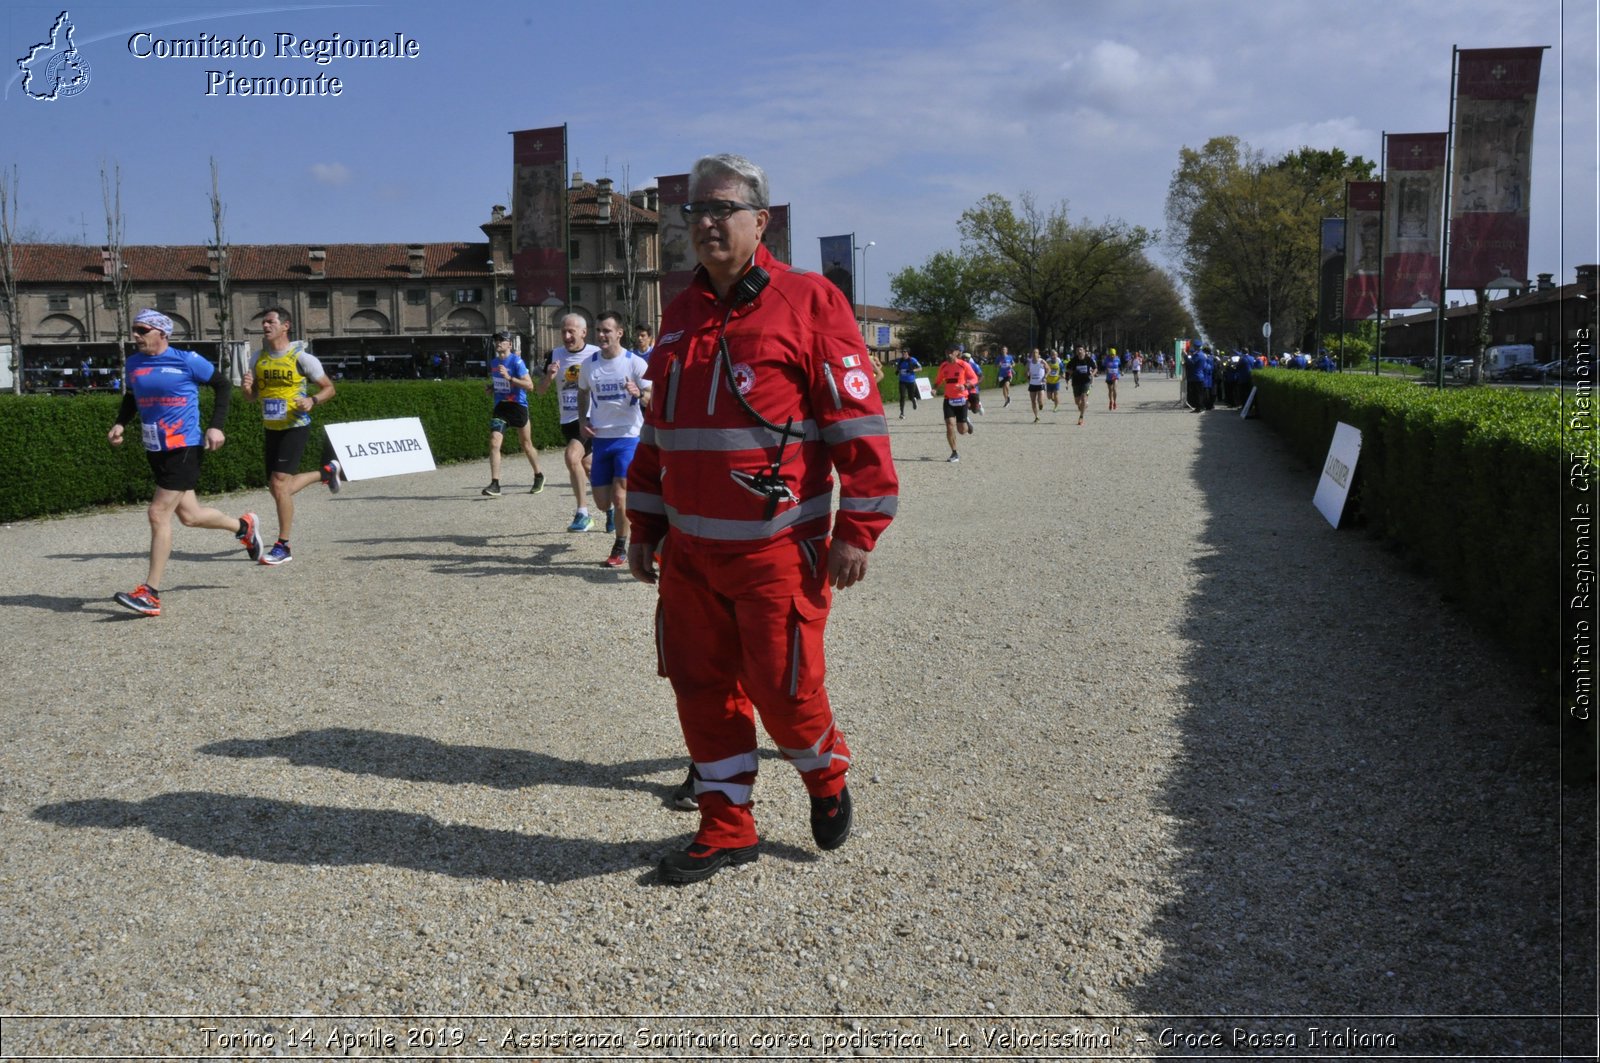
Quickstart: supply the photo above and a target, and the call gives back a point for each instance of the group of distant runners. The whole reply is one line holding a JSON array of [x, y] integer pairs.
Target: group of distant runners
[[958, 381]]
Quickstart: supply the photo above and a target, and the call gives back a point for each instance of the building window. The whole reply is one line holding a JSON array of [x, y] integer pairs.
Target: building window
[[58, 301], [366, 297], [266, 300], [577, 293], [622, 291], [469, 295], [317, 300], [574, 250], [416, 296], [166, 301], [213, 300], [508, 295], [108, 300]]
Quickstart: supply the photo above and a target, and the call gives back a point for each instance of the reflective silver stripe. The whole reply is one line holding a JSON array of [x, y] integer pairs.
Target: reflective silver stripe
[[645, 502], [738, 794], [716, 376], [812, 758], [856, 428], [811, 763], [727, 767], [746, 530], [810, 751], [827, 374], [887, 504], [671, 405], [647, 434], [726, 439]]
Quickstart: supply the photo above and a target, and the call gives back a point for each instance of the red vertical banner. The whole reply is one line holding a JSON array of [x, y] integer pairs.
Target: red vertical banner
[[1363, 234], [677, 253], [1491, 166], [776, 238], [1413, 216], [539, 216]]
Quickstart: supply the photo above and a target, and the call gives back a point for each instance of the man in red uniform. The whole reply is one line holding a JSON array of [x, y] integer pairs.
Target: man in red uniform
[[760, 388]]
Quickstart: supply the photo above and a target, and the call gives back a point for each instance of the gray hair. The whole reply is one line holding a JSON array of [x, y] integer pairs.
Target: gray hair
[[715, 167]]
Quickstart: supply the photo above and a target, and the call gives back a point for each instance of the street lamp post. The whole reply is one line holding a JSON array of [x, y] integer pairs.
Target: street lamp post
[[863, 286]]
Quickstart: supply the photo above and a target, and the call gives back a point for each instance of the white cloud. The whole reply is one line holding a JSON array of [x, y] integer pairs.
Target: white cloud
[[330, 173]]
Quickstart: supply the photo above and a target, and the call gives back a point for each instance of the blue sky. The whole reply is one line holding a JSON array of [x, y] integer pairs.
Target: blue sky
[[883, 118]]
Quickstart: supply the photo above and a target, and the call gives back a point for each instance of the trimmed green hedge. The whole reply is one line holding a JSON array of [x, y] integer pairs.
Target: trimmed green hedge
[[1465, 483], [58, 460]]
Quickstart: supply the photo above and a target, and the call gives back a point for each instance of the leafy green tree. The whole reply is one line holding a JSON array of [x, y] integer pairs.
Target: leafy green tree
[[1246, 230], [1060, 271], [942, 296]]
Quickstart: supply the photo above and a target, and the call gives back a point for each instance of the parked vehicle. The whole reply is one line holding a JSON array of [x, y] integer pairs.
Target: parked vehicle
[[1502, 356], [1530, 370]]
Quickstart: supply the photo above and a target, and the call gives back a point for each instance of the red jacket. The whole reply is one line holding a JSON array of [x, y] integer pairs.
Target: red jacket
[[796, 352]]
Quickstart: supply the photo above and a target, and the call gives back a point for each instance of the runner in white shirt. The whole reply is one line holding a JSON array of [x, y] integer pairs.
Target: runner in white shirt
[[611, 399], [562, 371]]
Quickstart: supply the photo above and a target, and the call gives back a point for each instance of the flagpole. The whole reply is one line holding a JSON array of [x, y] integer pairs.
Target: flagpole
[[1444, 227], [1383, 205]]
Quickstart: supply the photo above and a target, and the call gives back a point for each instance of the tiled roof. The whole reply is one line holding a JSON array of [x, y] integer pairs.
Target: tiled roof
[[583, 204], [250, 263]]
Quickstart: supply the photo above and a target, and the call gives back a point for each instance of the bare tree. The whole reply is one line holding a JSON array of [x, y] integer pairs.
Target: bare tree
[[218, 251], [116, 270], [8, 274], [630, 254]]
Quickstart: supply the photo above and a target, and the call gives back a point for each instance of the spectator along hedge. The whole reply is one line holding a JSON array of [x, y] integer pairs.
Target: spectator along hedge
[[56, 457], [1465, 483]]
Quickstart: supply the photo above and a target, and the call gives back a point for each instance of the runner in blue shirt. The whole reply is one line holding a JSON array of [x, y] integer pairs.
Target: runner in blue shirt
[[907, 366], [1111, 368], [164, 390], [509, 383], [1005, 367]]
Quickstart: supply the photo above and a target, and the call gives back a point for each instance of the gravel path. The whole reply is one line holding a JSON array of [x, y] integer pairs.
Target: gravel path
[[1139, 739]]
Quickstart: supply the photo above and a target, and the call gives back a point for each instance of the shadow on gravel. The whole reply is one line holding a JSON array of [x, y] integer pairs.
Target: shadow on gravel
[[64, 605], [281, 832], [1365, 839], [415, 759], [503, 557]]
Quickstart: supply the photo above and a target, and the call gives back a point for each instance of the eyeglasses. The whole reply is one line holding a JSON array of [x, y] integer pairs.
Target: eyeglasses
[[715, 209], [140, 330]]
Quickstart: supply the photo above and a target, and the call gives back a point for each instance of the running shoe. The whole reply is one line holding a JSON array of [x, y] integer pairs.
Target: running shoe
[[683, 796], [1006, 403], [330, 476], [492, 491], [1080, 420], [538, 483], [954, 457], [278, 555], [250, 538], [581, 522], [1035, 418], [141, 600], [619, 556], [611, 519]]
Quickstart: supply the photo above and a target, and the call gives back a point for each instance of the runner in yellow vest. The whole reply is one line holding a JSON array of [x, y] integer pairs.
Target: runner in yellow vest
[[281, 381]]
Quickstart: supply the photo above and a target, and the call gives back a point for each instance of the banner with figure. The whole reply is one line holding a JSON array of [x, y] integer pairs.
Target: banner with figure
[[1363, 234], [677, 253], [1330, 293], [539, 215], [838, 263], [1413, 218], [1491, 166]]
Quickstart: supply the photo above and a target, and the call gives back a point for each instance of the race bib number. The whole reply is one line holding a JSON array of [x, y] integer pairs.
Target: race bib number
[[958, 401], [569, 399], [274, 409], [151, 434]]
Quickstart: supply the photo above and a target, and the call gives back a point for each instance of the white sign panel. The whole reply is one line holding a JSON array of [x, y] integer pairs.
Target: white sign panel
[[369, 449], [1245, 413], [924, 389], [1337, 472]]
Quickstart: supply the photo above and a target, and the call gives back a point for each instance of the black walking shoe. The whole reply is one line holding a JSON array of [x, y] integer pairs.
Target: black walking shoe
[[700, 862], [538, 483], [492, 491], [830, 819], [683, 796]]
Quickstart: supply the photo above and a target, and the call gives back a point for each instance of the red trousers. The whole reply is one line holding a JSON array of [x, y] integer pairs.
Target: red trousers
[[741, 634]]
